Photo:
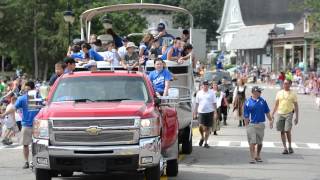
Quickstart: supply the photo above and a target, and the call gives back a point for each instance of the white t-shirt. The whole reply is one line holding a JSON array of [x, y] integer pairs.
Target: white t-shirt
[[206, 101], [110, 55], [9, 120]]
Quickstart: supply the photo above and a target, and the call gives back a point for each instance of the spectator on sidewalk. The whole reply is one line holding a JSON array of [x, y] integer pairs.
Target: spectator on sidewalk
[[286, 106], [206, 110], [255, 109], [9, 122]]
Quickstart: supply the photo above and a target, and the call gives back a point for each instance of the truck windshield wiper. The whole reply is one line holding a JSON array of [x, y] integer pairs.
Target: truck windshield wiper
[[83, 100], [112, 100]]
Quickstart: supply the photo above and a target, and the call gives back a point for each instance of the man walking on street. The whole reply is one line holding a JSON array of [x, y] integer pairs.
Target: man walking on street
[[286, 105], [207, 109], [26, 102], [255, 109]]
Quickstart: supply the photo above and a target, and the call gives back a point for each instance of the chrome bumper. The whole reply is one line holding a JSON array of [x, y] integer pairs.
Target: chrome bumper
[[148, 150]]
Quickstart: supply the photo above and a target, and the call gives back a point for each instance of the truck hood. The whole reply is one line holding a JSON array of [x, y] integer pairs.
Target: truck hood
[[94, 109]]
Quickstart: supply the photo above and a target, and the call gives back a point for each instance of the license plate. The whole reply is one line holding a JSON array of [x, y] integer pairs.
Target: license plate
[[94, 165]]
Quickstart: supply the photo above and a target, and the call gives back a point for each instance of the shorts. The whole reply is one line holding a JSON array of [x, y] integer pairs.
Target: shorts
[[284, 122], [26, 136], [206, 119], [255, 133]]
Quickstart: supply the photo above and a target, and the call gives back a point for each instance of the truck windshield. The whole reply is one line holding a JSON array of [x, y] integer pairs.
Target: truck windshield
[[101, 89]]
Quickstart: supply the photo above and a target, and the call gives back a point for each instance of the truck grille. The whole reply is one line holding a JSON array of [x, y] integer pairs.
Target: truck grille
[[104, 137], [93, 122], [95, 131]]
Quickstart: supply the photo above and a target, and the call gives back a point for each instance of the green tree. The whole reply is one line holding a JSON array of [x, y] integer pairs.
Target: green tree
[[206, 15], [312, 8]]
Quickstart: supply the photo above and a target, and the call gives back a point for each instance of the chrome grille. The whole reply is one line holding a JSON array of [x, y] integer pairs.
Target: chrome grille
[[105, 131], [93, 122], [103, 137]]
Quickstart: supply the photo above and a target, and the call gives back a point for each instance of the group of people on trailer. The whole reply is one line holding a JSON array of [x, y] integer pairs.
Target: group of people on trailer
[[122, 52]]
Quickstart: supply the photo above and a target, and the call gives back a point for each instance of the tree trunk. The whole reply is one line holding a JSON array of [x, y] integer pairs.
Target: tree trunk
[[35, 45], [46, 69]]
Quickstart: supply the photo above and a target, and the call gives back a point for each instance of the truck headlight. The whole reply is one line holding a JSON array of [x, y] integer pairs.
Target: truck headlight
[[41, 129], [149, 127]]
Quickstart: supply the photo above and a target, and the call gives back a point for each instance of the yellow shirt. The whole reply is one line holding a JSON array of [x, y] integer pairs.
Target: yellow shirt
[[286, 101]]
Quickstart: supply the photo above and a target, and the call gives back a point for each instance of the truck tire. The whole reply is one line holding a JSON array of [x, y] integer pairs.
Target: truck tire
[[66, 173], [187, 142], [42, 174], [172, 168], [153, 173]]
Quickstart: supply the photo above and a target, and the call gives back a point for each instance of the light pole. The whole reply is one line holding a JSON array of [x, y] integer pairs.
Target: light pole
[[69, 18]]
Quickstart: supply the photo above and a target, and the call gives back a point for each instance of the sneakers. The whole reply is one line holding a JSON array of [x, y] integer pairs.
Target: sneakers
[[200, 142], [26, 165], [206, 146]]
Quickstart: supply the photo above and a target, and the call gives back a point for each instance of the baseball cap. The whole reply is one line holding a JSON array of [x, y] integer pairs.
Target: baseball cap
[[257, 89], [161, 27], [205, 82], [90, 64]]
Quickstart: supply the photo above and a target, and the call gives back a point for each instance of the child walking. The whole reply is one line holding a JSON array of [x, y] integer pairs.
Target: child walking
[[9, 123]]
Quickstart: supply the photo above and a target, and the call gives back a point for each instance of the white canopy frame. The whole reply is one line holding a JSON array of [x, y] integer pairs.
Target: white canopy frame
[[86, 17]]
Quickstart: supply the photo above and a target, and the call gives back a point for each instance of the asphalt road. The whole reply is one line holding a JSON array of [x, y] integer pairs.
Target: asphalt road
[[228, 156]]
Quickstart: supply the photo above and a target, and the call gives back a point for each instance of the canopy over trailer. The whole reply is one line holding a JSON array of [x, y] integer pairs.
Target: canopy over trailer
[[86, 17]]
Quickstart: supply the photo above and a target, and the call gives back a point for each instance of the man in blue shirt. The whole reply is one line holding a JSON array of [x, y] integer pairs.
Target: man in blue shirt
[[160, 78], [255, 109], [30, 108]]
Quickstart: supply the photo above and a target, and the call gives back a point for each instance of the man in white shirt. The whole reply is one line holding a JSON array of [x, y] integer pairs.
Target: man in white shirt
[[206, 109]]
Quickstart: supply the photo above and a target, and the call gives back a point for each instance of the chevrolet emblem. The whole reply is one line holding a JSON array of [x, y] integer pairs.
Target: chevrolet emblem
[[94, 131]]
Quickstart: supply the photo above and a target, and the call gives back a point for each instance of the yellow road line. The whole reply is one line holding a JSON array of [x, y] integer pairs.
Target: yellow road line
[[181, 157], [195, 131], [164, 178]]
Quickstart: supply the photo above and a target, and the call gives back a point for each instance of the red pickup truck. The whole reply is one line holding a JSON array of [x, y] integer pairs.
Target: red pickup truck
[[104, 121]]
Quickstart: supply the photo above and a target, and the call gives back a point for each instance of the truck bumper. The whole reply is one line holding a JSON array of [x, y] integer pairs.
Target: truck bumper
[[97, 158]]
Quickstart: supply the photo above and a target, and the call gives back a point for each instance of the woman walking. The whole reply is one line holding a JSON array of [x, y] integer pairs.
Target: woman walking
[[239, 96], [222, 108]]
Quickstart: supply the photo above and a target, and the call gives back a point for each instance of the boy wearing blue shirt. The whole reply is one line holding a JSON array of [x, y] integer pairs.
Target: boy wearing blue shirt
[[255, 109], [30, 108], [160, 78]]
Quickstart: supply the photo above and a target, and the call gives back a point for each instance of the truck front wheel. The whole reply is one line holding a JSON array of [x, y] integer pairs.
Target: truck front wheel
[[172, 168], [153, 173], [187, 141], [42, 174]]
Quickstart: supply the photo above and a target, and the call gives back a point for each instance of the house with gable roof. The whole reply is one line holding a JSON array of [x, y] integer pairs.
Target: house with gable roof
[[266, 33]]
